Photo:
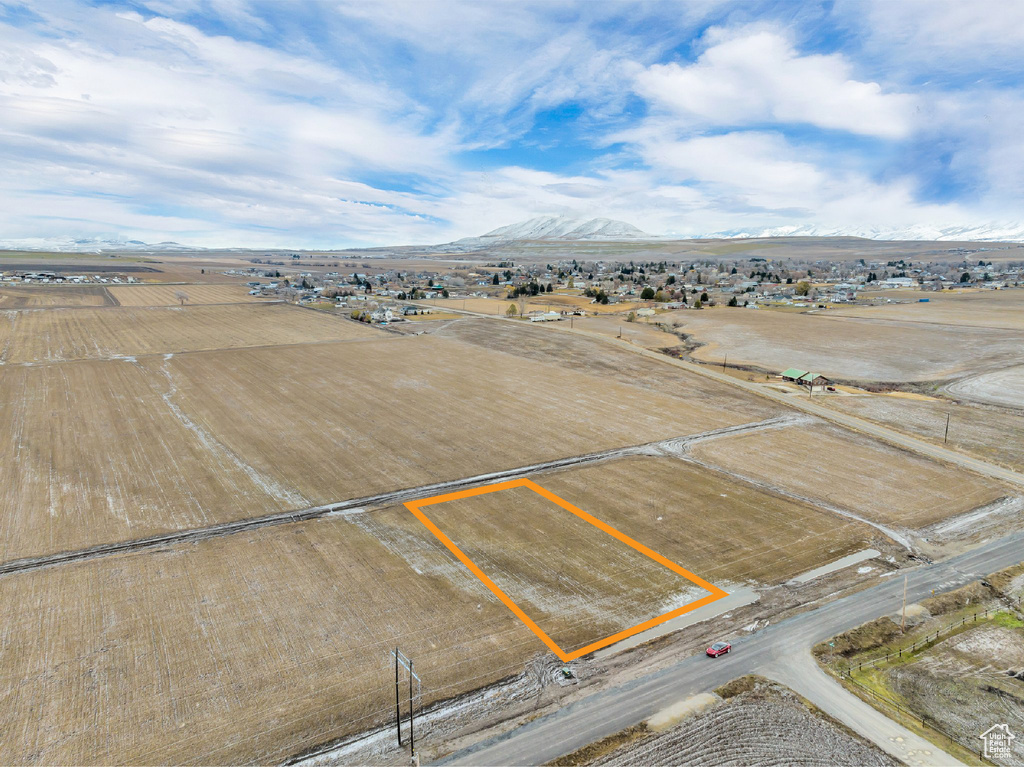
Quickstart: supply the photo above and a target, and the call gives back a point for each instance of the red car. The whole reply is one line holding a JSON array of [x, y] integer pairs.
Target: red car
[[719, 648]]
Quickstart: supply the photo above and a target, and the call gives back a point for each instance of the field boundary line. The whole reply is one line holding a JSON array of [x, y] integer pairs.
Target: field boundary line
[[352, 505]]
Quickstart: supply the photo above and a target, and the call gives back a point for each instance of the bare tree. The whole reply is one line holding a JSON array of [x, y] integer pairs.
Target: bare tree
[[182, 296]]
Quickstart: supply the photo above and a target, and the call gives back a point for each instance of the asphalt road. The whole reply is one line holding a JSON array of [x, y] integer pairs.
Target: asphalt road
[[780, 651]]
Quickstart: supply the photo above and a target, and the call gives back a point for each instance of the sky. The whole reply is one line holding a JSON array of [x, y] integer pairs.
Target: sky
[[227, 123]]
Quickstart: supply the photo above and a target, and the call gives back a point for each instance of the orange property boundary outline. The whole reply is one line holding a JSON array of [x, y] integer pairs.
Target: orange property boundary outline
[[715, 593]]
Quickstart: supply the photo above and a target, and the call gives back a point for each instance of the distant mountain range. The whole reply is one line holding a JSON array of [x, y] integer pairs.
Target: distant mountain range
[[991, 232], [90, 245], [565, 229]]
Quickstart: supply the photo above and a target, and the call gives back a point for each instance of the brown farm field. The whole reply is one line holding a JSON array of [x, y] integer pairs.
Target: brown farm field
[[555, 302], [168, 295], [49, 296], [852, 472], [545, 342], [123, 422], [848, 348], [166, 442], [991, 434], [73, 334], [641, 332], [253, 647], [975, 308]]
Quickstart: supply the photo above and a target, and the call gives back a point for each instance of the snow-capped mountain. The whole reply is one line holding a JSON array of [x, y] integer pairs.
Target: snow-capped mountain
[[89, 245], [558, 228], [991, 232]]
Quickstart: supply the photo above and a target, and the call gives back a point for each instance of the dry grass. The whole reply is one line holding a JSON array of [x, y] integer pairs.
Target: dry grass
[[71, 334], [852, 472], [168, 295], [641, 332], [847, 347], [580, 584], [595, 357], [555, 302], [90, 452], [162, 444], [413, 410], [990, 434], [47, 296], [243, 649], [256, 646], [976, 308], [767, 725]]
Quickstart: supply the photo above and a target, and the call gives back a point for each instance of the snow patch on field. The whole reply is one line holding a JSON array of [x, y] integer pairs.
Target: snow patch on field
[[976, 519]]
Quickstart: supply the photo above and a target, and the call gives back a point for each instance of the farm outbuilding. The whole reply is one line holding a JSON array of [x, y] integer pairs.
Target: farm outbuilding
[[813, 379], [804, 377]]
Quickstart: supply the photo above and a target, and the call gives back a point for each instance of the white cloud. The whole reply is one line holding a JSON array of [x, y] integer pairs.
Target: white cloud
[[757, 76]]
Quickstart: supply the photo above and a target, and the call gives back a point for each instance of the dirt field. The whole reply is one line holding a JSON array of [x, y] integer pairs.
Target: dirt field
[[852, 472], [640, 332], [769, 725], [846, 347], [549, 302], [1001, 387], [73, 334], [236, 650], [252, 647], [167, 295], [166, 442], [975, 308], [994, 435], [656, 501], [593, 356], [48, 296]]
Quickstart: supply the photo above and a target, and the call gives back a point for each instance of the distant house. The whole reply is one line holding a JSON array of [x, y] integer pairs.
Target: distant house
[[899, 282], [813, 379], [804, 378], [546, 317]]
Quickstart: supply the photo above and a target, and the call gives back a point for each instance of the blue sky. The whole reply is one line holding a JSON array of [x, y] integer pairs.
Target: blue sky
[[303, 124]]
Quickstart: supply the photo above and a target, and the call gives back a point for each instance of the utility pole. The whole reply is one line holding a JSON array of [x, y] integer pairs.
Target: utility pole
[[398, 710], [946, 435], [401, 659], [412, 737], [725, 362], [903, 623]]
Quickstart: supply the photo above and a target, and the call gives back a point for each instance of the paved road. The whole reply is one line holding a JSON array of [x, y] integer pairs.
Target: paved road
[[779, 651]]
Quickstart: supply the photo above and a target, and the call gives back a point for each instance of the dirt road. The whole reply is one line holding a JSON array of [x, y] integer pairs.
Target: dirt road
[[779, 651]]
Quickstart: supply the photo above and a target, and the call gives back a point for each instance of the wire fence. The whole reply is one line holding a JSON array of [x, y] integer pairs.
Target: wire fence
[[931, 637], [919, 645]]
